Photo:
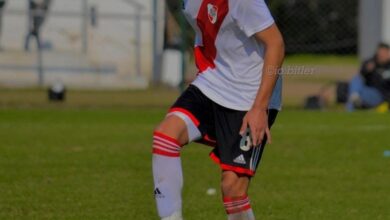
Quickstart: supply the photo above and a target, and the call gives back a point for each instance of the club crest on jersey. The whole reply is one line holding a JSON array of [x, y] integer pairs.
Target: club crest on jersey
[[213, 13]]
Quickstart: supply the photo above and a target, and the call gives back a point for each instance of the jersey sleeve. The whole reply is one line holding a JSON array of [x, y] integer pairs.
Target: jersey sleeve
[[252, 16]]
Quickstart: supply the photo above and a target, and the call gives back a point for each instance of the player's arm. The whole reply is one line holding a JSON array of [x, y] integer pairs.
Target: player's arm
[[257, 117]]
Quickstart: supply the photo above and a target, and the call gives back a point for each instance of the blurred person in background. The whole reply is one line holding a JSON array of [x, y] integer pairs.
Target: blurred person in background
[[2, 5], [371, 87], [37, 11]]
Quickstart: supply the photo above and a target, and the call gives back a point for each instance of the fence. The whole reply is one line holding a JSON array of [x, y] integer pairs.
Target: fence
[[85, 43], [310, 26], [325, 31], [318, 26]]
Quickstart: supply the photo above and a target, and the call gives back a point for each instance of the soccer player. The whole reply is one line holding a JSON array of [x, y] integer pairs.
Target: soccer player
[[37, 12], [230, 105]]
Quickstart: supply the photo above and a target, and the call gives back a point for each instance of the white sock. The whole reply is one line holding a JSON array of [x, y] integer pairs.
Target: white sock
[[174, 216], [238, 208], [167, 175]]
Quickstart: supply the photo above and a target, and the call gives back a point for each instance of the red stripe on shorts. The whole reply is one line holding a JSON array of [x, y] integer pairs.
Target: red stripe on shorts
[[227, 167]]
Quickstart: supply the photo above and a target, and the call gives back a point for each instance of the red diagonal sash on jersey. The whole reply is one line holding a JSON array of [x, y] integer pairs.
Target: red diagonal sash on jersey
[[210, 18]]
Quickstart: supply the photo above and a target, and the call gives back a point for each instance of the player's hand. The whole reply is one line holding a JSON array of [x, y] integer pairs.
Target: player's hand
[[257, 121]]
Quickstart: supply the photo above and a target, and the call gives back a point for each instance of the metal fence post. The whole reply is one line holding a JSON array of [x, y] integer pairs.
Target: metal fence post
[[370, 27], [84, 26], [183, 49], [156, 65], [386, 21], [41, 79], [138, 43]]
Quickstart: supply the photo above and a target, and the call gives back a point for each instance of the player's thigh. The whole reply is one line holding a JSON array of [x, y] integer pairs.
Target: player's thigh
[[175, 127]]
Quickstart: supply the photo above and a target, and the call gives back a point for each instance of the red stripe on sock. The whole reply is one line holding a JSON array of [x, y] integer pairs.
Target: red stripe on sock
[[165, 142], [235, 199], [166, 137], [162, 145], [236, 204], [165, 149], [239, 209], [165, 153]]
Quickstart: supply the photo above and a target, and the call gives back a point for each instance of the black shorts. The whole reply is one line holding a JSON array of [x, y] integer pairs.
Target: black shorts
[[219, 128]]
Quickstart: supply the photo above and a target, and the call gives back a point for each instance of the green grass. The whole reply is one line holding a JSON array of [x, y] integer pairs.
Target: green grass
[[79, 163], [37, 98]]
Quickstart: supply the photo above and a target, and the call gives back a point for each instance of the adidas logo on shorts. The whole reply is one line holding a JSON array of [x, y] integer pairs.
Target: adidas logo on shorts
[[240, 159]]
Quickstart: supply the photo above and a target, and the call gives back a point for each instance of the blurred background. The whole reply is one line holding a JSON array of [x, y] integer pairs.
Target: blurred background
[[84, 43], [83, 83], [129, 44]]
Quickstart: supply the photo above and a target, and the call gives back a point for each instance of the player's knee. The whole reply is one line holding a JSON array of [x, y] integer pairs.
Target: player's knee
[[234, 185], [165, 145], [169, 138], [173, 127]]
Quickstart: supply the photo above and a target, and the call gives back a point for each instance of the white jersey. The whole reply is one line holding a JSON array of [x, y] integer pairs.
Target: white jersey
[[228, 57]]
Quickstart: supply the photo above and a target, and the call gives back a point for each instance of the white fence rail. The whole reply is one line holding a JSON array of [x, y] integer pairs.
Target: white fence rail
[[85, 43]]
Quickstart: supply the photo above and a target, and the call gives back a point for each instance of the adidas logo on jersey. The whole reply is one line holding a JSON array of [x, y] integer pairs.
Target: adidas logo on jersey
[[213, 13], [240, 159]]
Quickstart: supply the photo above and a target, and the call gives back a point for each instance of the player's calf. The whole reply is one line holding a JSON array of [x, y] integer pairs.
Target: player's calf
[[168, 139], [235, 199], [233, 184]]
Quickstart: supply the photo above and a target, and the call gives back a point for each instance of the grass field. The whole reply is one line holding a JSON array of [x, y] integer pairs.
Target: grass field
[[80, 162]]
